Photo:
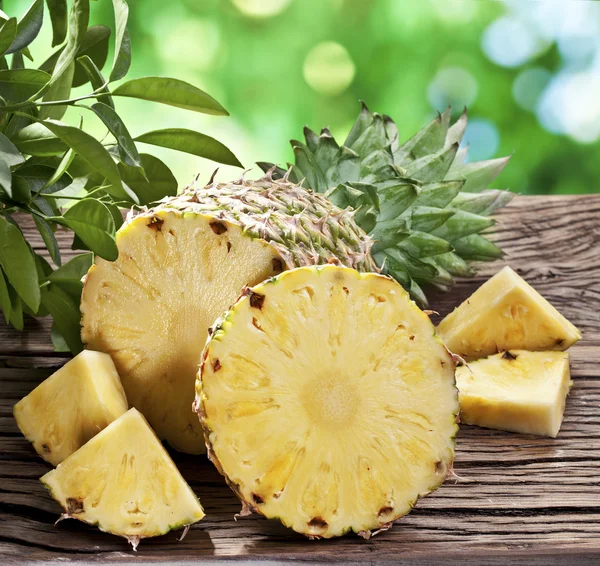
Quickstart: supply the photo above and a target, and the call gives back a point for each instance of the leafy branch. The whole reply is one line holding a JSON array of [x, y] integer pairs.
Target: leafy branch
[[62, 176]]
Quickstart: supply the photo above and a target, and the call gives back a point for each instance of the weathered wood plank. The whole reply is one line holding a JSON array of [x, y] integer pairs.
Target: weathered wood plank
[[517, 498]]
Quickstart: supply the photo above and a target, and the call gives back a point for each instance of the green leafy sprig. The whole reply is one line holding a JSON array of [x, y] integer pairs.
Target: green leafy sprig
[[63, 177]]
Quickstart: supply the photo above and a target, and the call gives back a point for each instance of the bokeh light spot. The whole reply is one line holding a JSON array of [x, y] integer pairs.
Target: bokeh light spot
[[328, 68], [483, 139], [453, 86], [529, 86], [261, 8]]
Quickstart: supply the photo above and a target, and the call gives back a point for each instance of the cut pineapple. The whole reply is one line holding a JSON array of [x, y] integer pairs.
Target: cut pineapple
[[518, 391], [124, 482], [71, 406], [506, 313], [327, 401]]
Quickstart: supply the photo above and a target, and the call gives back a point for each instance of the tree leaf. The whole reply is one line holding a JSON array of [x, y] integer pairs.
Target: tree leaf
[[18, 264], [5, 178], [95, 47], [96, 79], [5, 301], [58, 340], [93, 223], [58, 16], [116, 214], [192, 142], [17, 85], [128, 152], [16, 315], [9, 153], [122, 59], [68, 277], [60, 90], [8, 32], [28, 27], [158, 183], [66, 315], [36, 139], [49, 238], [61, 169], [172, 92]]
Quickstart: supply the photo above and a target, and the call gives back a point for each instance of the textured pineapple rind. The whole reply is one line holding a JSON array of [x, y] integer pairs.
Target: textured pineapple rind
[[215, 333]]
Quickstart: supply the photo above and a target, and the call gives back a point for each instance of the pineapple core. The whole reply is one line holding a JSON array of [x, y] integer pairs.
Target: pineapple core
[[124, 482], [506, 313], [71, 406], [328, 401], [518, 391]]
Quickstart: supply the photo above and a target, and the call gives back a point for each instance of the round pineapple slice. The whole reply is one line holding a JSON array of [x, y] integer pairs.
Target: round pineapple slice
[[328, 401]]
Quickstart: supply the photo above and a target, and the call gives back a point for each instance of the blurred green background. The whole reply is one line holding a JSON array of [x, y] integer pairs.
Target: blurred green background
[[528, 71]]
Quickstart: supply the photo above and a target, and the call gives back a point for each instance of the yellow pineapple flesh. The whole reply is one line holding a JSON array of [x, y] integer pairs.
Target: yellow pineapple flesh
[[506, 313], [71, 406], [124, 482], [516, 390], [328, 401]]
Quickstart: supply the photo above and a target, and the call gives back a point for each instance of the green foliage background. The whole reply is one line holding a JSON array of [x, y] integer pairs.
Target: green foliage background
[[254, 66]]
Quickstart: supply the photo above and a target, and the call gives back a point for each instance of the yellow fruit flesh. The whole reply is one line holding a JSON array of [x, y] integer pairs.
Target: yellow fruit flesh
[[518, 391], [151, 309], [506, 313], [124, 482], [71, 406], [329, 403]]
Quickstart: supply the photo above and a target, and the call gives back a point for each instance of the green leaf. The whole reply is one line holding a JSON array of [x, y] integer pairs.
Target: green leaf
[[17, 85], [433, 167], [172, 92], [5, 178], [8, 32], [484, 203], [305, 160], [60, 90], [18, 264], [58, 15], [9, 153], [66, 315], [93, 223], [479, 174], [122, 58], [457, 130], [115, 212], [58, 340], [36, 139], [17, 62], [5, 301], [426, 141], [192, 142], [95, 47], [49, 238], [159, 181], [396, 198], [440, 194], [68, 277], [427, 218], [128, 151], [462, 224], [362, 123], [61, 169], [422, 244], [28, 27], [96, 79], [477, 248], [94, 154], [453, 264], [16, 315]]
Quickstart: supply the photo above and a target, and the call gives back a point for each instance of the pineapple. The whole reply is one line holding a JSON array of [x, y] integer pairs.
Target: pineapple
[[506, 313], [421, 203], [71, 406], [516, 390], [124, 482], [182, 264], [327, 401]]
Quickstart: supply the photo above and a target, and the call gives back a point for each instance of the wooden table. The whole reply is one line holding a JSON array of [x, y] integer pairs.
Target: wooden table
[[518, 499]]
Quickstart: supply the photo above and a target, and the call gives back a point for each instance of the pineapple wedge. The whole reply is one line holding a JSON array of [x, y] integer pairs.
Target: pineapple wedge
[[327, 401], [71, 406], [506, 313], [124, 482], [516, 390]]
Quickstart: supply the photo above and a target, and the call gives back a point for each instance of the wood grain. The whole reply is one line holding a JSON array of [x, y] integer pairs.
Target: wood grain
[[517, 499]]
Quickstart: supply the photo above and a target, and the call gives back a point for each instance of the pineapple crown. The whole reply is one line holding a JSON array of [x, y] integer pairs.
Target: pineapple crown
[[423, 206]]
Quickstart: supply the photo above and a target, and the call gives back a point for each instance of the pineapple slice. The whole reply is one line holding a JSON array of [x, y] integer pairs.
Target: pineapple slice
[[124, 482], [327, 401], [71, 406], [506, 313], [516, 390]]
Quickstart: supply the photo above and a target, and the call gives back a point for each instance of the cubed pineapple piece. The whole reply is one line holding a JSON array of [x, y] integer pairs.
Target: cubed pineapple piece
[[124, 482], [506, 313], [71, 406], [516, 390]]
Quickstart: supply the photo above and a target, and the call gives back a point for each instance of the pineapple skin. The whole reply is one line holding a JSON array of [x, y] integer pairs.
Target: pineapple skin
[[101, 483], [289, 227], [516, 391], [252, 504], [71, 406], [506, 313]]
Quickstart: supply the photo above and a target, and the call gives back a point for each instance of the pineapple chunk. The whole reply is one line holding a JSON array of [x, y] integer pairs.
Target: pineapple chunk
[[518, 391], [124, 482], [71, 406], [327, 401], [506, 313]]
